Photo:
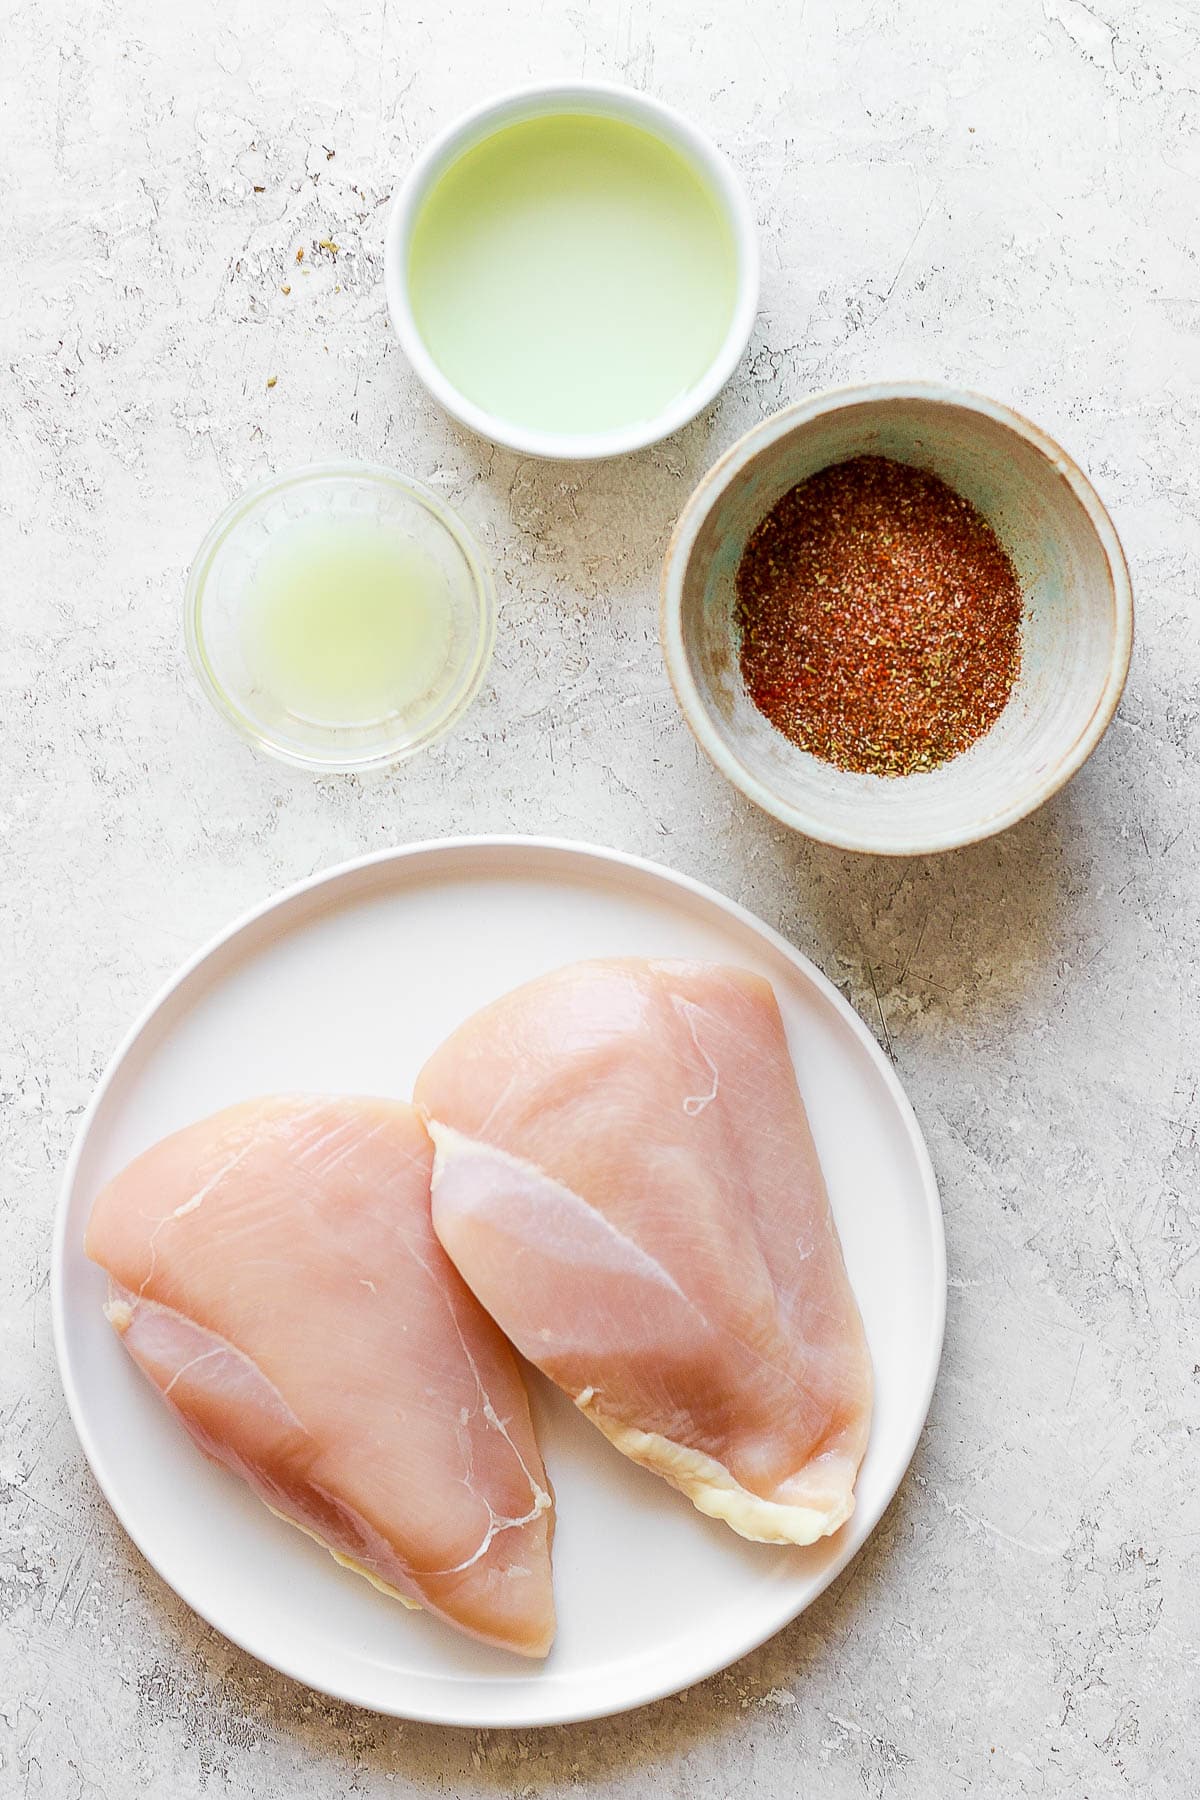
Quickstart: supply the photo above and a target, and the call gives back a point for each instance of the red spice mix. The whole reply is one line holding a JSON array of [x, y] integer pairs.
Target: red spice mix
[[880, 618]]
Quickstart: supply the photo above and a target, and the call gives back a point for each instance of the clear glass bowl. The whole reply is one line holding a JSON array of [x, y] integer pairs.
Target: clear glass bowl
[[221, 581]]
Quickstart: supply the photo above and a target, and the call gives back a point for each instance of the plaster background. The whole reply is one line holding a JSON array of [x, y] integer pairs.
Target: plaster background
[[1000, 196]]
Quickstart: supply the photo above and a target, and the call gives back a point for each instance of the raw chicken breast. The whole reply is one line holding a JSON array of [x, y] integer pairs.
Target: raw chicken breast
[[274, 1272], [626, 1179]]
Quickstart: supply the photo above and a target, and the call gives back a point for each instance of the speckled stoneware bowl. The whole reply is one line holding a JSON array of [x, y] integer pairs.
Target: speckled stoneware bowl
[[1076, 634]]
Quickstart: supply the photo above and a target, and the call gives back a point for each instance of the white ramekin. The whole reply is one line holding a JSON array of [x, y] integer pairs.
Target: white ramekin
[[612, 101]]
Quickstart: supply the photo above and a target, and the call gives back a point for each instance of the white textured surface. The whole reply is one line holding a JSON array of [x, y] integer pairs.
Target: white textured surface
[[1004, 196]]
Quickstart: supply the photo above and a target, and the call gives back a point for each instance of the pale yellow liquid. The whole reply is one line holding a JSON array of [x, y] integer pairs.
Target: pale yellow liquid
[[572, 273], [346, 621]]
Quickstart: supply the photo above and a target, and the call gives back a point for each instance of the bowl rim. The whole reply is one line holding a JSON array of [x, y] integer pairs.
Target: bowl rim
[[608, 99], [740, 455], [241, 507]]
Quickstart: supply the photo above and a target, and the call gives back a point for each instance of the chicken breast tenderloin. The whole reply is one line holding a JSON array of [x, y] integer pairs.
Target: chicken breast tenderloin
[[626, 1179], [274, 1272]]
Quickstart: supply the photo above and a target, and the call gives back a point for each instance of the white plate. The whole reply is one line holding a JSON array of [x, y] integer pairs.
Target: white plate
[[346, 983]]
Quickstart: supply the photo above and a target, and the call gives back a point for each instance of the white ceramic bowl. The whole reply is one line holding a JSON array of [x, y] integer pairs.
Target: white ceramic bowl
[[612, 101], [1076, 635]]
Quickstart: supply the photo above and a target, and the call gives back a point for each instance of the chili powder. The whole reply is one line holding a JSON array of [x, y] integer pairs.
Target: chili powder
[[880, 618]]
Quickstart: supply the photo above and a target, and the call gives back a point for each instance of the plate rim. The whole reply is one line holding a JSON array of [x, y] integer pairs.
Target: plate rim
[[488, 843]]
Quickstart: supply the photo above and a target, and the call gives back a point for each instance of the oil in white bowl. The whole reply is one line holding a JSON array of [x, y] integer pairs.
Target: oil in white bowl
[[573, 273], [346, 622]]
